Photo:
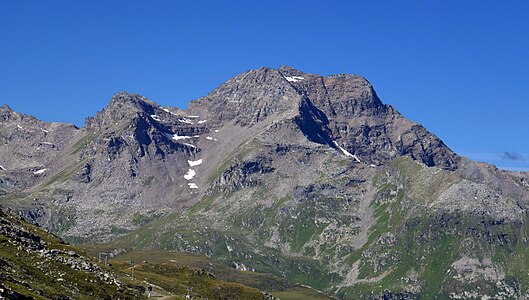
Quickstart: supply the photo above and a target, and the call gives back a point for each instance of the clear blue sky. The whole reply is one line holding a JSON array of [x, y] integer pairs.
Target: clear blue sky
[[460, 68]]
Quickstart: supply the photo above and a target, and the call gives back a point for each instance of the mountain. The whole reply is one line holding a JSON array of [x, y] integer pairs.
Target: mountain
[[311, 178]]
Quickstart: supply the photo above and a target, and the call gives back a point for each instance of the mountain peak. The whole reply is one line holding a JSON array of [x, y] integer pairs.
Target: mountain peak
[[256, 94], [122, 106], [5, 112], [339, 90], [5, 107], [124, 98], [250, 97], [289, 70]]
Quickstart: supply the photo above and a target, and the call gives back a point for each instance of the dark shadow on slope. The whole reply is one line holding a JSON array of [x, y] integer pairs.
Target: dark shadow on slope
[[313, 123]]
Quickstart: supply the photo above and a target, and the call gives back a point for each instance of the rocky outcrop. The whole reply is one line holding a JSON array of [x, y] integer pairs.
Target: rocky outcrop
[[30, 255], [243, 175]]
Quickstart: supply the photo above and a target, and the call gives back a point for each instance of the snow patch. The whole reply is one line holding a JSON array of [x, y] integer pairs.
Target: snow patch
[[48, 143], [186, 121], [177, 137], [216, 130], [41, 171], [190, 174], [194, 163], [44, 130], [347, 153], [192, 185], [209, 138], [190, 145], [201, 122], [168, 111], [294, 78], [2, 167], [194, 117], [156, 118], [19, 126], [229, 248]]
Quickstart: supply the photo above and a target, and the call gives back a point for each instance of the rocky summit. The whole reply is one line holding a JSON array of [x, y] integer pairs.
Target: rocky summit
[[310, 178]]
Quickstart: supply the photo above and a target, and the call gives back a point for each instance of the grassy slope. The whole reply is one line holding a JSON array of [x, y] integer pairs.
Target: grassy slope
[[31, 275], [162, 260], [176, 280]]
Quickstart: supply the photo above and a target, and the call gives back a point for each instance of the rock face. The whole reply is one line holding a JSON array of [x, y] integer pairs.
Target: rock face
[[309, 177], [28, 148]]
